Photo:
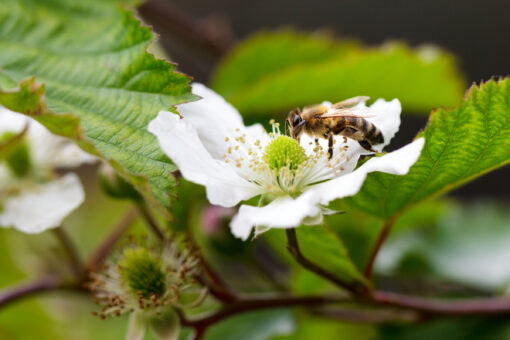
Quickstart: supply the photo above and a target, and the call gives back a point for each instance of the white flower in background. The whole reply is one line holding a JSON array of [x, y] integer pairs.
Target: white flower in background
[[212, 147], [32, 197]]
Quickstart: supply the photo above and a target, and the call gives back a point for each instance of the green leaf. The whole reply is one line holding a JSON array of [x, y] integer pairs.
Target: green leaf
[[273, 72], [461, 144], [323, 247], [94, 82], [260, 325]]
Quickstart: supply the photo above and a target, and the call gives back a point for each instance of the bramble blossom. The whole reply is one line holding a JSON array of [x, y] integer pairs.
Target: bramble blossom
[[212, 147]]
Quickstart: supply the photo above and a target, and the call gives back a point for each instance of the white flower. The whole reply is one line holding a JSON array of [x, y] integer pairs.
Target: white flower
[[212, 147], [38, 200]]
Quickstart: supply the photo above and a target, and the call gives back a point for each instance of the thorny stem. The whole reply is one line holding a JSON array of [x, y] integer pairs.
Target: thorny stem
[[151, 221], [383, 235], [71, 249], [293, 248], [102, 251]]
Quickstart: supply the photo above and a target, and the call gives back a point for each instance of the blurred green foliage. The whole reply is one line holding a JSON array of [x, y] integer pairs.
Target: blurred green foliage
[[467, 245], [108, 81], [273, 72], [259, 325]]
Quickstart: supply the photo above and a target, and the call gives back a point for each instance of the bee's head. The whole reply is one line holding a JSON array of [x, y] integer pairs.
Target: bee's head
[[294, 123]]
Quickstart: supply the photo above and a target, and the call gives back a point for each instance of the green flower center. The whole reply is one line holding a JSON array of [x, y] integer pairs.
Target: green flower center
[[282, 152], [16, 153], [142, 272]]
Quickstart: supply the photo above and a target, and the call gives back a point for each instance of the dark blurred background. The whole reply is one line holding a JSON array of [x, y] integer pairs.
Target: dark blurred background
[[476, 32]]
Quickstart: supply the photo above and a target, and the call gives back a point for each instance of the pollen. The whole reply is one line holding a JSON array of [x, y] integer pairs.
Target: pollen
[[282, 152]]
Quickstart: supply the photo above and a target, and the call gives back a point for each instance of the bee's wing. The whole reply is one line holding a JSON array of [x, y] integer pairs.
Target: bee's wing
[[350, 102], [348, 112]]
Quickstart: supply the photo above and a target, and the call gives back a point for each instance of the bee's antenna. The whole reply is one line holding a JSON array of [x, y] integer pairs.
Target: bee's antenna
[[286, 123]]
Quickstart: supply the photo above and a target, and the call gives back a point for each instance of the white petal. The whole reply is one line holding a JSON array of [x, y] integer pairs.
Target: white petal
[[11, 121], [397, 162], [43, 206], [284, 212], [51, 151], [214, 119], [46, 149], [180, 141], [387, 119]]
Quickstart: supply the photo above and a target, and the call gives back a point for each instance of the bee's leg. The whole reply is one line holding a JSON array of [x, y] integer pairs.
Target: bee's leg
[[330, 146], [316, 140]]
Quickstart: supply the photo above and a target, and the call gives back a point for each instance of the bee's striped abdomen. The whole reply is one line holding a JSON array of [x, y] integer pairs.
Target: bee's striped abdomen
[[373, 134]]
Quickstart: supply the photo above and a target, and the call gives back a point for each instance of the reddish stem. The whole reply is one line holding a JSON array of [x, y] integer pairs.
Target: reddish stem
[[45, 284], [435, 306], [293, 247], [383, 235]]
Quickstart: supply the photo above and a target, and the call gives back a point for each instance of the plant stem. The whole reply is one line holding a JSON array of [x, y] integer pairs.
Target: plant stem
[[210, 278], [293, 248], [369, 316], [71, 249], [434, 306], [44, 284], [246, 304], [219, 290], [383, 235], [97, 258], [151, 221]]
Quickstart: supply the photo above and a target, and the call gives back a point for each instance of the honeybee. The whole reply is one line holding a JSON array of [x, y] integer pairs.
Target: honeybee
[[340, 119]]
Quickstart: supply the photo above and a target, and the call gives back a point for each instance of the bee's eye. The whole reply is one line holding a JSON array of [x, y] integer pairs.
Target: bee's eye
[[296, 120]]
